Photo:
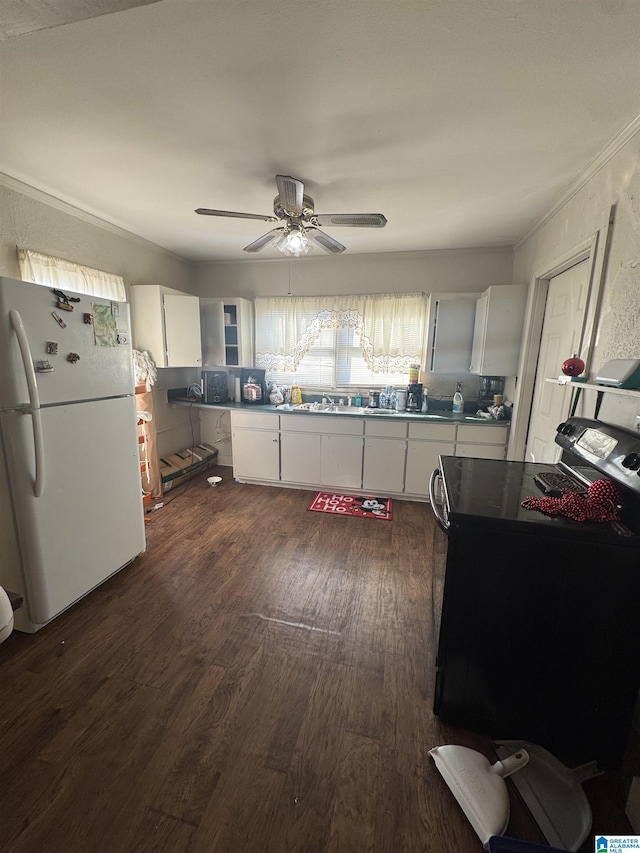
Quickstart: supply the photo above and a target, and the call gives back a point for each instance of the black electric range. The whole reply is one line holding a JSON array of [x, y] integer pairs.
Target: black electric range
[[539, 633]]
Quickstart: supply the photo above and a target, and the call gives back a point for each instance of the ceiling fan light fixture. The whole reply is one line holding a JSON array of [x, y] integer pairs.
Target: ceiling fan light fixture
[[294, 242]]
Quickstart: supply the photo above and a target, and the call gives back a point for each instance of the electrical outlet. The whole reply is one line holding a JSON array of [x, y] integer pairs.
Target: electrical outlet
[[637, 422]]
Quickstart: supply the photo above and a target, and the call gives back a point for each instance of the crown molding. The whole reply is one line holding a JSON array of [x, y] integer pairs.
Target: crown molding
[[43, 197], [607, 153]]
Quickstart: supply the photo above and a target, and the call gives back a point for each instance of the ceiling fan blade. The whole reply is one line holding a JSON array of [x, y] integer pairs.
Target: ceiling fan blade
[[205, 211], [291, 192], [352, 220], [319, 238], [265, 240]]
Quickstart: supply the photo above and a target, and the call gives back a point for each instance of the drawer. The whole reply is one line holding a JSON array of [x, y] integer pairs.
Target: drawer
[[322, 424], [254, 420], [483, 434], [481, 451], [433, 432], [385, 429]]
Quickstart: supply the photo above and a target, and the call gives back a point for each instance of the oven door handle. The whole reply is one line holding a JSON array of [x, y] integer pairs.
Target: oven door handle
[[442, 522]]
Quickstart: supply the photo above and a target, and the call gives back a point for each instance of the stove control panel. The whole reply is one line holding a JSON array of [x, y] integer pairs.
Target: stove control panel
[[611, 450]]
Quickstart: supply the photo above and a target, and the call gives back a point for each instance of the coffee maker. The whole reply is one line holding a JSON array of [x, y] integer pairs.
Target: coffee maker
[[414, 397], [490, 386]]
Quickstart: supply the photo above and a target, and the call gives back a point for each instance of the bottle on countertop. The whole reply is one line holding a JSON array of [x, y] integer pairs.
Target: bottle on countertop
[[458, 400], [424, 401], [357, 400], [296, 394]]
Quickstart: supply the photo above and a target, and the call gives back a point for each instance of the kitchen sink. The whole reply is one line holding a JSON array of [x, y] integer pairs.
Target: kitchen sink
[[337, 409]]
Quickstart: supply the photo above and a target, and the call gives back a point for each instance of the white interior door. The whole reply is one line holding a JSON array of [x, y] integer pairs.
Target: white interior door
[[561, 330]]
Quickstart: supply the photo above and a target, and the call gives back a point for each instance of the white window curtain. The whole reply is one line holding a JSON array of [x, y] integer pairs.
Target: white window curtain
[[387, 330], [56, 272]]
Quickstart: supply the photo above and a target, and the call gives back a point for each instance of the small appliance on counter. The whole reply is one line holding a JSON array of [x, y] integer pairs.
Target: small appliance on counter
[[374, 399], [490, 387], [414, 397], [253, 388], [215, 386]]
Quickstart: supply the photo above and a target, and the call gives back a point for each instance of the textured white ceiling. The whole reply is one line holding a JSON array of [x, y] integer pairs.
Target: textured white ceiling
[[460, 120], [27, 16]]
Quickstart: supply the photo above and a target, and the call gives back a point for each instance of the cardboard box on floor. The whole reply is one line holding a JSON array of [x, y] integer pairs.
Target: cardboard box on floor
[[177, 468]]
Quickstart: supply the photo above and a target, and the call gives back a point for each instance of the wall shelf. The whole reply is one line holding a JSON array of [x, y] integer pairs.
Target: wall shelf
[[590, 386]]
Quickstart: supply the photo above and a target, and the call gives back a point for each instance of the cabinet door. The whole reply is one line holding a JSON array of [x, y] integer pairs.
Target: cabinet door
[[451, 335], [256, 454], [300, 458], [383, 469], [479, 335], [422, 459], [211, 313], [498, 330], [227, 332], [182, 331], [341, 461]]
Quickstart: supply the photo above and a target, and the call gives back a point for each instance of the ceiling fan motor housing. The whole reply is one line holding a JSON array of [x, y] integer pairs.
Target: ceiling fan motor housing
[[307, 208]]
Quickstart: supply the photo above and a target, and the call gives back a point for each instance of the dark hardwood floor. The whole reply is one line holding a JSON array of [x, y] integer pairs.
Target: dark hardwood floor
[[260, 680]]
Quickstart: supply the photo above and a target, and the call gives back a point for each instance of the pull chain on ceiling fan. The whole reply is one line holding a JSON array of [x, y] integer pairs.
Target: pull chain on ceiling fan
[[300, 231]]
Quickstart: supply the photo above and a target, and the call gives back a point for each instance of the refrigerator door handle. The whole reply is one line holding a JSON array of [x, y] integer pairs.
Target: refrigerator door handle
[[34, 400]]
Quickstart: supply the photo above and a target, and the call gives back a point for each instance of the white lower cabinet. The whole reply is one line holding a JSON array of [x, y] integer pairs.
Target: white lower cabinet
[[326, 451], [381, 457], [341, 461], [384, 453], [482, 442], [383, 469], [426, 443], [256, 446], [300, 457]]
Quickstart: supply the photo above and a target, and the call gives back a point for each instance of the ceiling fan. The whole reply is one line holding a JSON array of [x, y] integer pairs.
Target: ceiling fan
[[300, 230]]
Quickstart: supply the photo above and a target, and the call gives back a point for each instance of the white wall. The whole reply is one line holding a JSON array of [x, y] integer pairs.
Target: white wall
[[31, 220], [470, 270], [31, 223], [615, 182]]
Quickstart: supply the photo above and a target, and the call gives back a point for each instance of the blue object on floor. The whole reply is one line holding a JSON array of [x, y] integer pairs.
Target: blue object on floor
[[502, 844]]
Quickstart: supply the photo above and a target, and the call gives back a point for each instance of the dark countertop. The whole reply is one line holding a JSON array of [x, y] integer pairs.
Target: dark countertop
[[435, 416]]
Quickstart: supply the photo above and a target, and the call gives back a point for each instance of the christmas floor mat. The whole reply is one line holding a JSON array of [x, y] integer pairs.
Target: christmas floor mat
[[358, 505]]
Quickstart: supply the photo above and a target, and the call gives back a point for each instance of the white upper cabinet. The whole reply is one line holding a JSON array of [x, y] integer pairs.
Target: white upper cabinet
[[227, 332], [451, 318], [497, 334], [166, 324]]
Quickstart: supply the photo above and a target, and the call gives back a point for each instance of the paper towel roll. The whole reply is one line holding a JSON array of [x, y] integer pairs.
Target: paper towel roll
[[237, 389], [6, 616]]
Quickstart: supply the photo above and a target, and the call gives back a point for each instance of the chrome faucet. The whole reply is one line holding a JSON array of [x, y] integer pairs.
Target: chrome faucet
[[330, 400]]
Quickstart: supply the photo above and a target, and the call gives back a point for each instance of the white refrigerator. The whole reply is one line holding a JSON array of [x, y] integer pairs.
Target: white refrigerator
[[71, 509]]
